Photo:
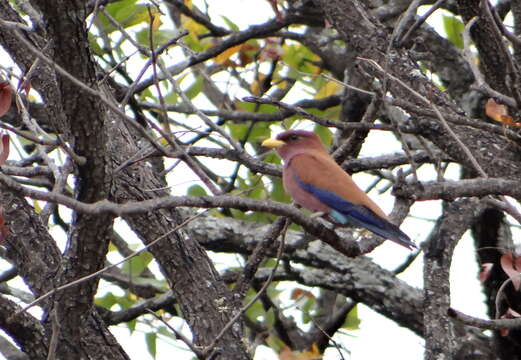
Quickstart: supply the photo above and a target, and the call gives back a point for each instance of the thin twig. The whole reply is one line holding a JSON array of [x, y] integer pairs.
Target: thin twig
[[257, 256], [405, 20], [504, 205], [370, 115], [451, 132], [193, 165], [27, 136], [97, 94], [513, 38], [232, 321], [101, 271], [179, 336], [335, 344], [55, 325], [407, 262], [481, 84], [497, 324], [513, 72], [419, 22], [317, 119], [500, 295]]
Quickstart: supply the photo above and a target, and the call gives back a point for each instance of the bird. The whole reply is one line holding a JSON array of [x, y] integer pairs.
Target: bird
[[316, 182]]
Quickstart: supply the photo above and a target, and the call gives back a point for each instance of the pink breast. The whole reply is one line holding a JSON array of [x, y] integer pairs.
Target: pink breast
[[301, 197]]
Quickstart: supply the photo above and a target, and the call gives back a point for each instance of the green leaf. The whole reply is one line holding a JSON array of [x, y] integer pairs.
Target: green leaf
[[107, 301], [237, 214], [94, 45], [278, 193], [300, 58], [245, 106], [160, 37], [197, 190], [238, 131], [260, 217], [268, 109], [195, 88], [260, 131], [124, 301], [126, 12], [324, 133], [147, 95], [132, 325], [257, 193], [151, 340], [256, 311], [332, 113], [272, 290], [307, 307], [317, 83], [230, 23], [275, 343], [273, 158], [454, 28], [193, 42], [171, 98], [114, 7], [269, 319], [164, 331], [137, 264], [352, 321]]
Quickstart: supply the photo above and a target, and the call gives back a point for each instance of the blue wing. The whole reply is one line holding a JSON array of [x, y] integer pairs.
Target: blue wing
[[345, 212]]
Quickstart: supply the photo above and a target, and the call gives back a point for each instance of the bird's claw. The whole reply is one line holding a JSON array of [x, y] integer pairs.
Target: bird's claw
[[318, 214]]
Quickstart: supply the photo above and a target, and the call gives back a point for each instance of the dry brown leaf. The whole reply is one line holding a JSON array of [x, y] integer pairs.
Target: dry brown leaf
[[486, 268], [4, 149], [511, 265], [6, 96], [312, 354], [510, 314], [499, 112], [298, 293]]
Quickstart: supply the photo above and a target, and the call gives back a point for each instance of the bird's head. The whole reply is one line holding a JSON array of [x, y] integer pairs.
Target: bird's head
[[293, 142]]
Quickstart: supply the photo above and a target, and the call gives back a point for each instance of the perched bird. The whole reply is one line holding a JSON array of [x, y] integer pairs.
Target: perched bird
[[315, 181]]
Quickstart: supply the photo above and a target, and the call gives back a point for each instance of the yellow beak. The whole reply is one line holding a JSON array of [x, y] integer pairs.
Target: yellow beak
[[273, 143]]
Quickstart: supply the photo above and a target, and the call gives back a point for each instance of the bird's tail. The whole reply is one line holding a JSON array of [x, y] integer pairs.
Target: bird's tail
[[393, 233], [364, 217]]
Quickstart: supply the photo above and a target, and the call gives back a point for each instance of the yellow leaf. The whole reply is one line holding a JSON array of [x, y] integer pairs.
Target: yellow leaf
[[156, 20], [163, 141], [328, 89], [37, 206], [255, 85], [226, 54], [192, 26], [282, 84]]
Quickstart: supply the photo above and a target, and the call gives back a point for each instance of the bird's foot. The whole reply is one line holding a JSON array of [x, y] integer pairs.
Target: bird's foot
[[318, 214]]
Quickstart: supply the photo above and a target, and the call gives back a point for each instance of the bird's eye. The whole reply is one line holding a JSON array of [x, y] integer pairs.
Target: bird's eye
[[293, 137]]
